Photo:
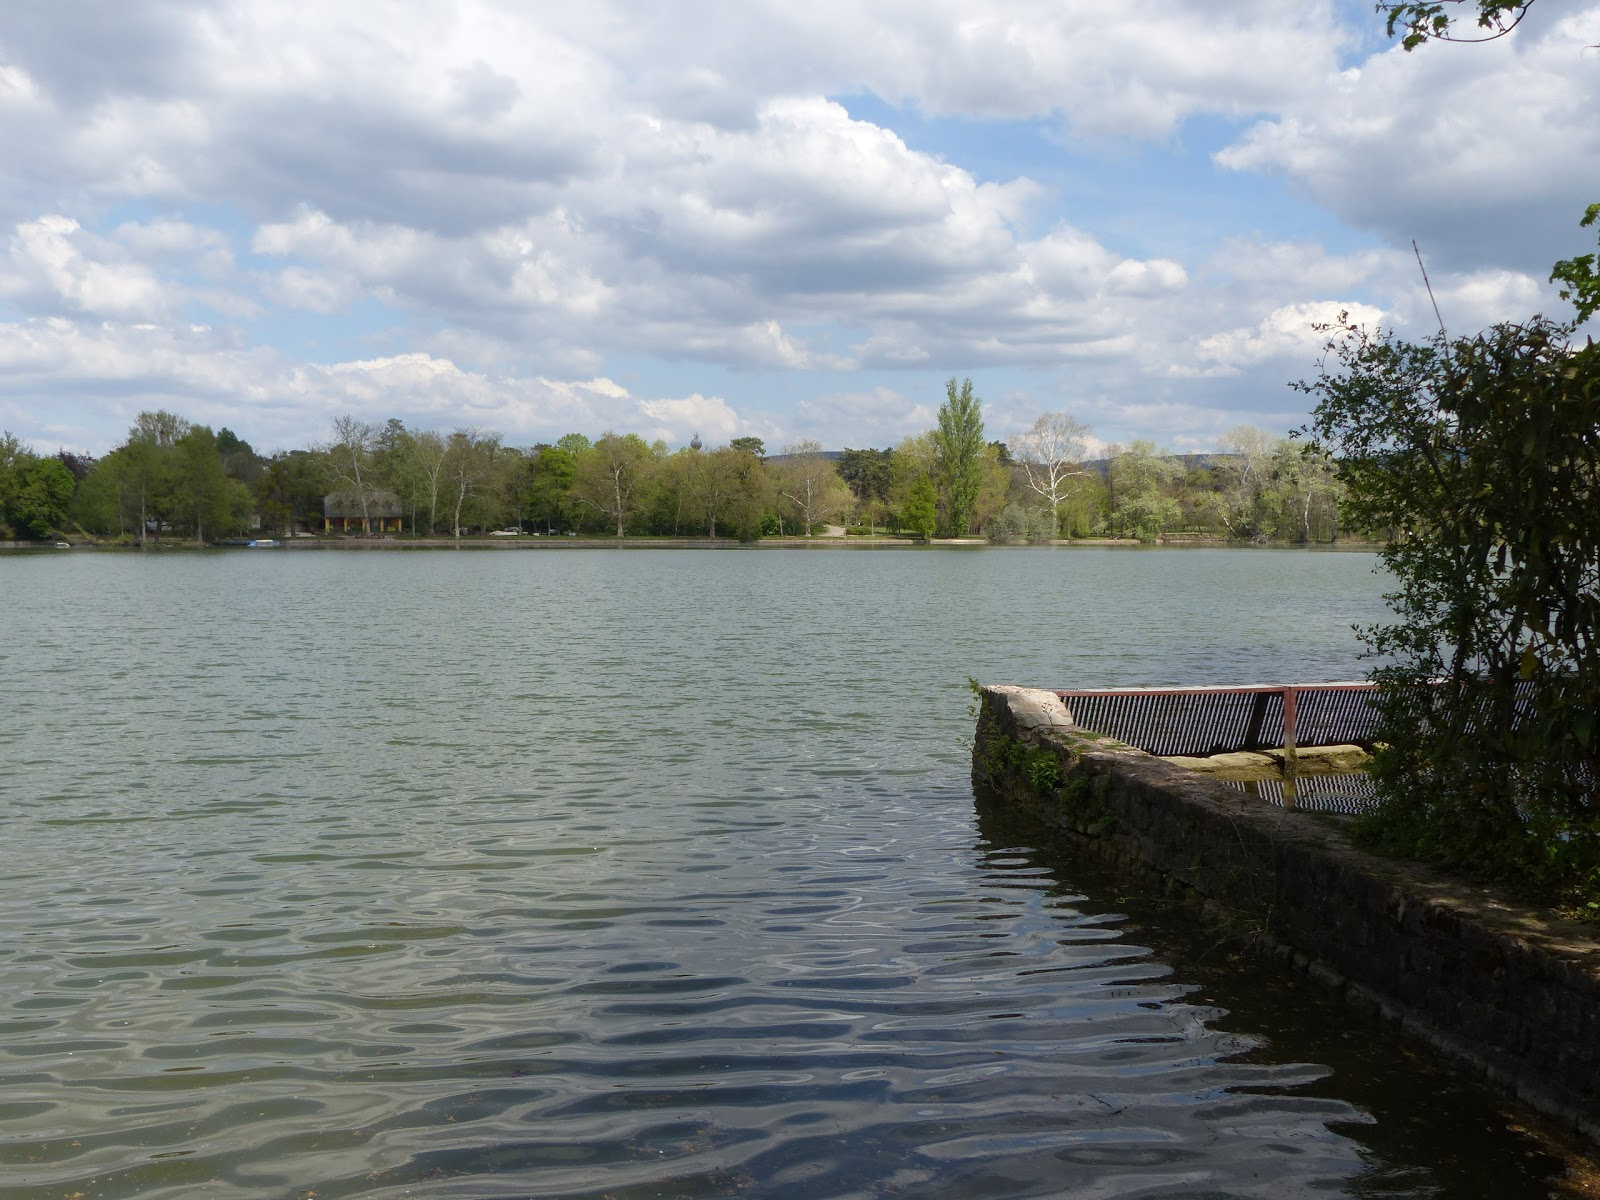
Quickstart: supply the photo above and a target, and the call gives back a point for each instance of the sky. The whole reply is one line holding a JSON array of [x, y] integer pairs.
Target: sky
[[772, 218]]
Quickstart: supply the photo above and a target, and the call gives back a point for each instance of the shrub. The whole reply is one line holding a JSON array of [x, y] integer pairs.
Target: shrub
[[1483, 455]]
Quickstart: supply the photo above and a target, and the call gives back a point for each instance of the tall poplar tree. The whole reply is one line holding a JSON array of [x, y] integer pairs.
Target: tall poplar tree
[[958, 452]]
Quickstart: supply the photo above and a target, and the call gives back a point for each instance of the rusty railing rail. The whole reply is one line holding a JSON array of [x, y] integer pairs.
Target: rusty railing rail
[[1214, 720]]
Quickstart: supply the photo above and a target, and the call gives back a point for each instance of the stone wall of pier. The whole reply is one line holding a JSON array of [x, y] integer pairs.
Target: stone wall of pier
[[1508, 994]]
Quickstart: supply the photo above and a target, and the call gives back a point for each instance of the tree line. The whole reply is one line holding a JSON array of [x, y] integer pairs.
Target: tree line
[[171, 478]]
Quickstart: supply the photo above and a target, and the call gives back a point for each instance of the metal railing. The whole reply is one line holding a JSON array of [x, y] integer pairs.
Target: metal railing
[[1217, 720]]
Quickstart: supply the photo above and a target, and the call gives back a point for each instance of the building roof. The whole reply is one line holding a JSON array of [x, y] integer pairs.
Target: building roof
[[346, 504]]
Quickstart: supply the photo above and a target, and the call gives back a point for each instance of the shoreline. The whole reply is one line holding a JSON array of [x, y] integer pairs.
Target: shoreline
[[536, 542]]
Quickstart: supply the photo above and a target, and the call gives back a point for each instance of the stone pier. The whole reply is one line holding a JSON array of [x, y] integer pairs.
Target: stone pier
[[1507, 994]]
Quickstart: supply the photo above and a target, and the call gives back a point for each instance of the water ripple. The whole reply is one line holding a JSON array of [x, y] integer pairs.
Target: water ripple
[[614, 876]]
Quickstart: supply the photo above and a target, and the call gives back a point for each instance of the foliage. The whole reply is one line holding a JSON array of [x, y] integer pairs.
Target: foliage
[[610, 476], [997, 480], [959, 454], [417, 472], [1484, 452], [729, 485], [1082, 505], [292, 488], [573, 443], [550, 478], [166, 478], [920, 511], [239, 459], [1433, 22], [1268, 488], [1143, 481], [354, 443], [1004, 757], [868, 474], [1579, 276], [35, 491], [202, 493]]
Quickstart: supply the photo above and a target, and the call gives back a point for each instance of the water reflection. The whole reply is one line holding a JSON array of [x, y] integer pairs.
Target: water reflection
[[1410, 1119]]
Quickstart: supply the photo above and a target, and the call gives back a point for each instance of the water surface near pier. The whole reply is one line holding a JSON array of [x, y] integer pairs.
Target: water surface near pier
[[643, 874]]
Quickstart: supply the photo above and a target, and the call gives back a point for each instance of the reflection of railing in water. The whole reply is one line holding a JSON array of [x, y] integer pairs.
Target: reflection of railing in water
[[1348, 792], [1218, 720]]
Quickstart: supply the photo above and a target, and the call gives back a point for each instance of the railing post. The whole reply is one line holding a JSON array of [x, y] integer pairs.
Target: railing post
[[1258, 718], [1288, 725]]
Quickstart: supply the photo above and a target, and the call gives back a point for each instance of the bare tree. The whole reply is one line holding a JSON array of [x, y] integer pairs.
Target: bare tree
[[810, 482], [1049, 454], [426, 456], [353, 443], [469, 466]]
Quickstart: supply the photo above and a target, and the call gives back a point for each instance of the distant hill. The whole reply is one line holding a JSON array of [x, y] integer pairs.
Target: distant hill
[[1100, 466], [1191, 462], [830, 455]]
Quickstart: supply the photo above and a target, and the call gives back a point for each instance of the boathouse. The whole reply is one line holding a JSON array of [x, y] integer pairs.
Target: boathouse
[[341, 512]]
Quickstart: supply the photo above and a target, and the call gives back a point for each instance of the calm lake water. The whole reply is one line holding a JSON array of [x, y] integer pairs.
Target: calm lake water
[[644, 874]]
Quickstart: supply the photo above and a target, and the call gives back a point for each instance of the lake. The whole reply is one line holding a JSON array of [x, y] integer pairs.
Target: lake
[[627, 874]]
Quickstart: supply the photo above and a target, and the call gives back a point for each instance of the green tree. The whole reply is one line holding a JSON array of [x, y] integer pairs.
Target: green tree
[[920, 511], [1579, 276], [610, 476], [292, 488], [1143, 480], [34, 491], [994, 487], [504, 500], [422, 464], [1306, 493], [12, 452], [1485, 453], [958, 447], [869, 476], [145, 466], [728, 486], [202, 493], [914, 458], [97, 503], [1084, 502], [550, 485], [736, 490], [239, 459], [673, 508]]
